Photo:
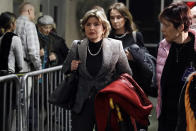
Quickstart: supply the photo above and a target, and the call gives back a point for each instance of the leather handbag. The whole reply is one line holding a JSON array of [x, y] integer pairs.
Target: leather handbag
[[129, 96], [65, 93]]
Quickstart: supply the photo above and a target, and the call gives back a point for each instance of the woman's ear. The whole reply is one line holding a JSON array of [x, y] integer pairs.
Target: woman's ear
[[181, 28], [29, 11], [13, 26]]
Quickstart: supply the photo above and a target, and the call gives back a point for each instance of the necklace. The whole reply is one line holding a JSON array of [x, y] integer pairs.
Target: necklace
[[95, 53], [121, 36]]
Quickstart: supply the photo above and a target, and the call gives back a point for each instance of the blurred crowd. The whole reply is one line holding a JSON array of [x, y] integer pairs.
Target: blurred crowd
[[112, 45]]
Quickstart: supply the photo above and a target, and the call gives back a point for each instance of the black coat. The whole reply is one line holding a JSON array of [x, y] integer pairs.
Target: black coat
[[141, 72], [60, 48]]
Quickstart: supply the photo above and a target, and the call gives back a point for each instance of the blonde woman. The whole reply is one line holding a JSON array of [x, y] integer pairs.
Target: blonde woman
[[100, 60]]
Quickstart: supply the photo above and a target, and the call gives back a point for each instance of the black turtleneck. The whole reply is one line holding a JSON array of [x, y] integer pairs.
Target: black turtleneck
[[93, 63]]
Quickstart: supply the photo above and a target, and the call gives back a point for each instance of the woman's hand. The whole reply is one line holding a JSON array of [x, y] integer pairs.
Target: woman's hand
[[41, 52], [52, 56], [74, 64], [129, 55]]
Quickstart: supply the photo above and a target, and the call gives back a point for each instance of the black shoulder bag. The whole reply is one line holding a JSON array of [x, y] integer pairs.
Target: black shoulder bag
[[65, 93]]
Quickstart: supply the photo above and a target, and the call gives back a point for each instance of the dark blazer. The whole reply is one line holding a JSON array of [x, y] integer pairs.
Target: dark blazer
[[114, 60]]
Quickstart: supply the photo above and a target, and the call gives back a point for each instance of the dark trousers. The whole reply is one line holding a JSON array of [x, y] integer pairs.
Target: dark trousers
[[2, 111], [85, 120], [5, 114], [166, 125]]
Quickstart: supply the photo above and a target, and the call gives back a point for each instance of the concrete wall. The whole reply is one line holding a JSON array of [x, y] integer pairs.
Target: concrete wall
[[69, 14], [66, 21], [17, 3], [49, 7], [74, 11], [6, 6], [71, 22]]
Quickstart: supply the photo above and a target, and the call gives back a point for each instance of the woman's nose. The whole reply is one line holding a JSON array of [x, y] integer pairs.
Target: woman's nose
[[115, 20], [162, 28], [92, 27]]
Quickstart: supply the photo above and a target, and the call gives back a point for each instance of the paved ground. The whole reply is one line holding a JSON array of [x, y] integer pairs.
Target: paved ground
[[153, 120]]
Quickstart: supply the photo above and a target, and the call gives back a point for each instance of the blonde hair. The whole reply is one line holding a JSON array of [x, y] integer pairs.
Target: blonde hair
[[25, 6], [100, 15]]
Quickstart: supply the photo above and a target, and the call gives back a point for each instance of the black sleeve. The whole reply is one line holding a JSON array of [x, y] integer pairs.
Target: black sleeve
[[60, 48], [192, 94], [63, 51], [140, 39], [141, 71]]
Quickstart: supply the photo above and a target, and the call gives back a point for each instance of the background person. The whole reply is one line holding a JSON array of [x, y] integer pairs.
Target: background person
[[47, 53], [122, 29], [26, 30], [53, 52], [59, 46], [11, 62], [193, 13], [10, 45], [99, 58], [53, 49], [175, 58]]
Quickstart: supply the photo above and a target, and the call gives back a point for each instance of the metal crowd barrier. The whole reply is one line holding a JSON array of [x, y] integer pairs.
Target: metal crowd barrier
[[38, 114], [33, 112], [10, 103]]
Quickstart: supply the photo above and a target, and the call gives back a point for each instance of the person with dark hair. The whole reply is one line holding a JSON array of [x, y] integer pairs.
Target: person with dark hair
[[10, 45], [123, 25], [175, 61], [101, 59], [124, 29], [11, 62]]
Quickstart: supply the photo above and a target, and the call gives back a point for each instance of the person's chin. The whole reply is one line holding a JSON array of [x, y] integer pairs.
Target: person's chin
[[116, 27], [168, 40]]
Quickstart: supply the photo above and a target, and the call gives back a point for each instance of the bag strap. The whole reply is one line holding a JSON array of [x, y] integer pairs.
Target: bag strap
[[77, 53], [134, 36], [112, 109], [116, 109]]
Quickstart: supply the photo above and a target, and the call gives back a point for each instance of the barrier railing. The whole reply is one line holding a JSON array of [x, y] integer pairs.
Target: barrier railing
[[33, 112], [10, 103], [38, 113]]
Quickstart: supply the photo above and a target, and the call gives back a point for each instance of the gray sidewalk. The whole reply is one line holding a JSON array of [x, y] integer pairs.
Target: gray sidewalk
[[153, 119]]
